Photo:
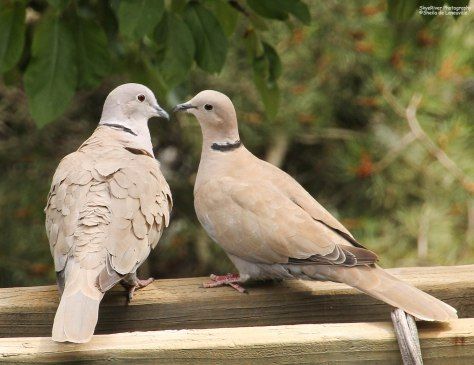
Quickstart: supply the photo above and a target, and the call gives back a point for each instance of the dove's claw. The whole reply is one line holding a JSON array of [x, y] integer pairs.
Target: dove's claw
[[143, 283], [135, 285], [130, 293], [221, 280]]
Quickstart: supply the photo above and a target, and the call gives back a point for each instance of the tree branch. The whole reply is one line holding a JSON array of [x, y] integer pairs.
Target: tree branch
[[329, 133], [418, 133], [394, 152], [237, 6]]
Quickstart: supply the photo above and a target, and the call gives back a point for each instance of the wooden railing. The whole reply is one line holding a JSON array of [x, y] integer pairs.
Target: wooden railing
[[279, 322]]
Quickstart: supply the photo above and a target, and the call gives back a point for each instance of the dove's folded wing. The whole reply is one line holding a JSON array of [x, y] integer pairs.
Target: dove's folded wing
[[141, 204], [270, 226], [291, 188], [67, 195]]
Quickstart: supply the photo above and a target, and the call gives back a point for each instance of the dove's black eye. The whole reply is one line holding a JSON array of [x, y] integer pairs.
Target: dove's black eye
[[141, 98], [208, 107]]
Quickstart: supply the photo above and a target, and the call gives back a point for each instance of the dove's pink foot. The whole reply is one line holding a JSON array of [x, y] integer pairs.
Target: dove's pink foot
[[135, 285], [221, 280]]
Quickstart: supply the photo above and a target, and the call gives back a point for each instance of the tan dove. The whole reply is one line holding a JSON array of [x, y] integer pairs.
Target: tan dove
[[271, 227], [107, 208]]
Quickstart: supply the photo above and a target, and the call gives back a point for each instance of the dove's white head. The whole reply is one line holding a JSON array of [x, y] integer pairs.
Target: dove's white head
[[128, 107], [216, 115]]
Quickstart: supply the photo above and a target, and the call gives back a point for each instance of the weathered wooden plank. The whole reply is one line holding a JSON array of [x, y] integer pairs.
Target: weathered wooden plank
[[349, 343], [182, 303]]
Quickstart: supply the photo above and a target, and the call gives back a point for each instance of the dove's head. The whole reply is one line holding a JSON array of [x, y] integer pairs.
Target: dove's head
[[216, 115], [131, 102], [127, 109]]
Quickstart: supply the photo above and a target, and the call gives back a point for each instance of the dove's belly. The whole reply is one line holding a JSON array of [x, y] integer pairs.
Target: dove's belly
[[237, 232], [258, 271]]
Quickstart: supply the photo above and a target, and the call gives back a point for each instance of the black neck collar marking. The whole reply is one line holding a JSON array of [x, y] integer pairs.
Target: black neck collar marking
[[224, 147], [125, 129]]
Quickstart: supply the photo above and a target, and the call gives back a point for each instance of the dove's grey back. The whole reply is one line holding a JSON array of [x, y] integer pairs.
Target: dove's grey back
[[107, 208]]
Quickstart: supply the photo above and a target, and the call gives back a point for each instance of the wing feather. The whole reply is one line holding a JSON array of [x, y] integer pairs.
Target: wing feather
[[272, 227], [104, 202]]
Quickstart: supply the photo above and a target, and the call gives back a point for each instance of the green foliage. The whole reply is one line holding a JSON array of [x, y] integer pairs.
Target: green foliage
[[177, 49], [12, 35], [138, 18], [280, 9], [93, 60], [209, 37], [59, 4], [227, 16], [401, 10], [266, 70], [152, 41], [51, 76]]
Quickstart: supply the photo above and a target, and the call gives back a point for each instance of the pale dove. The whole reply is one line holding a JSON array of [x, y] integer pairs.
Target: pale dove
[[107, 208], [270, 227]]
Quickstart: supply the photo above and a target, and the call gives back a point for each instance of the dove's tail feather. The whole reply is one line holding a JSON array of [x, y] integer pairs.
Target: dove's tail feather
[[77, 314], [379, 284]]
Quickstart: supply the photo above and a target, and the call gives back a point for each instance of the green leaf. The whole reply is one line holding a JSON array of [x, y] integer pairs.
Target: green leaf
[[177, 43], [227, 16], [401, 10], [268, 9], [178, 6], [104, 14], [139, 17], [253, 44], [12, 35], [274, 63], [93, 58], [270, 94], [59, 4], [266, 70], [210, 40], [279, 9], [51, 77], [300, 10]]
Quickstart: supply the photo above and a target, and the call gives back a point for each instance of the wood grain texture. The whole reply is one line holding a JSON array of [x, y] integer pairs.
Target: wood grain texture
[[344, 343], [182, 303]]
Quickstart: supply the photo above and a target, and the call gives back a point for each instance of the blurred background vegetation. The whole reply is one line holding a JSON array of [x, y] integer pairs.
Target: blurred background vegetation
[[366, 103]]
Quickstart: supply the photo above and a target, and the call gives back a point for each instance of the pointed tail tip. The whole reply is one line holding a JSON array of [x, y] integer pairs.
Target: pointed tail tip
[[447, 315], [440, 318], [452, 313], [382, 285], [433, 310]]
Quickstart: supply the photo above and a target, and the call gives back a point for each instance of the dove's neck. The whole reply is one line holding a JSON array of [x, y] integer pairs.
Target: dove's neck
[[215, 161], [134, 129], [220, 140]]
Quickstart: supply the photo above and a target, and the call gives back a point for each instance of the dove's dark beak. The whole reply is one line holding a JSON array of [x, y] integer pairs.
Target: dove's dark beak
[[183, 107], [160, 112]]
